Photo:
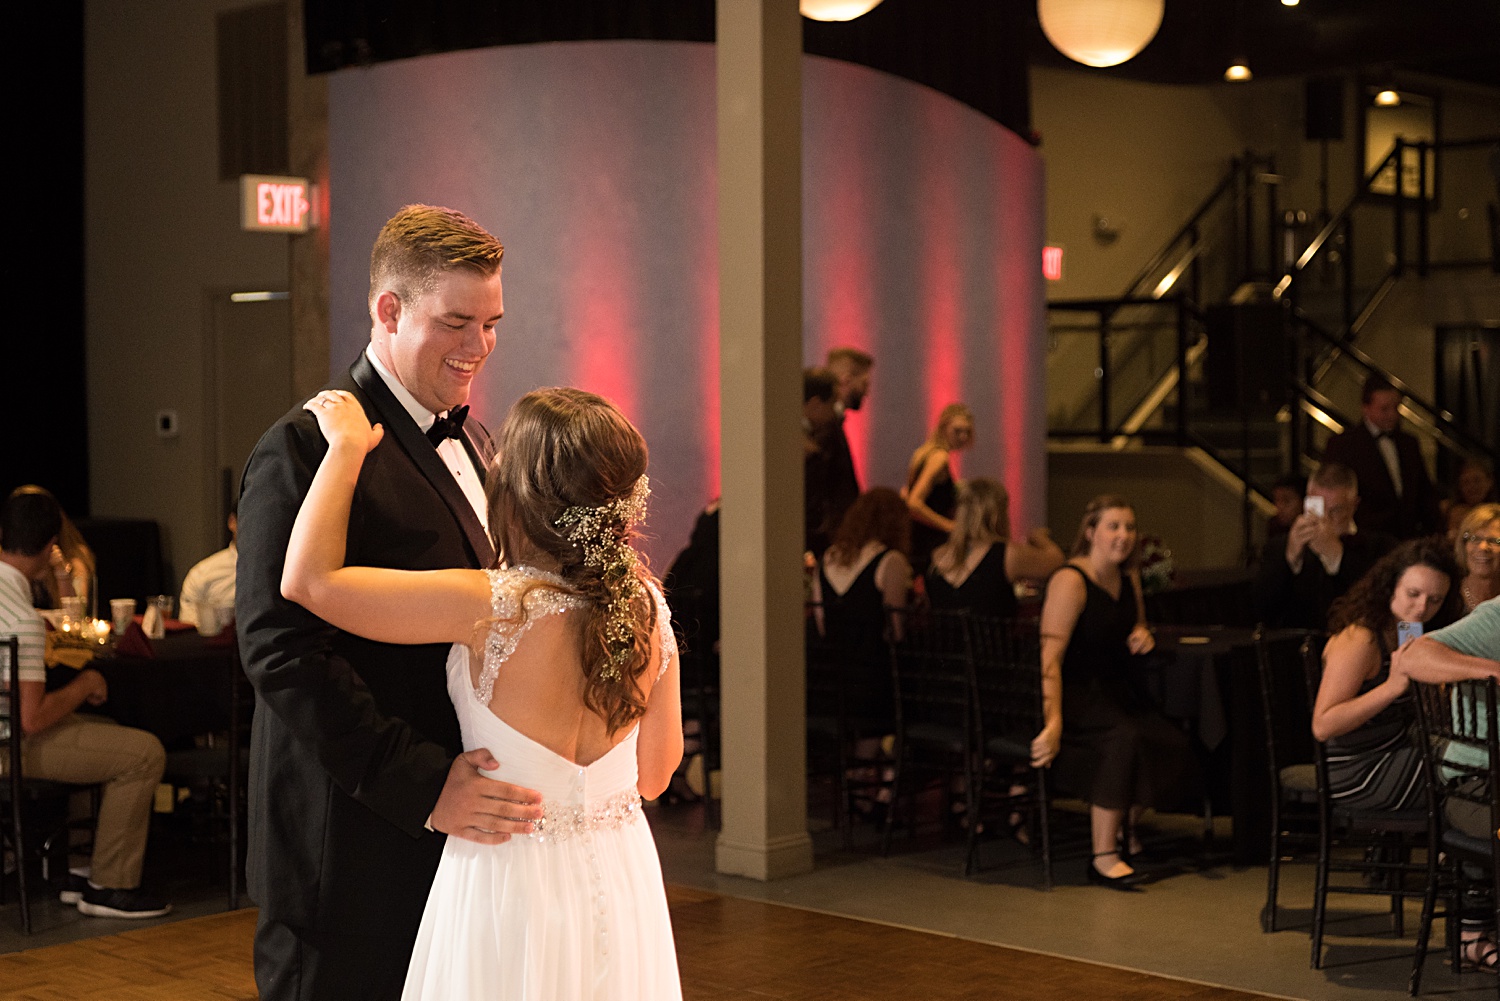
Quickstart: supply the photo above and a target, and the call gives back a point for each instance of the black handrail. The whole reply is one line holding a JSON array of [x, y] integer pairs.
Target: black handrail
[[1316, 246], [1432, 412], [1237, 167]]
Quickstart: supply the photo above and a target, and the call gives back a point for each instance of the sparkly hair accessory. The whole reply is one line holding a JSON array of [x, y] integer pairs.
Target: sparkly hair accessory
[[603, 533]]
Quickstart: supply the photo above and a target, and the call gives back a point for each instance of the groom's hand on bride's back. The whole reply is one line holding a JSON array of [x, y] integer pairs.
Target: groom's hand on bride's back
[[486, 811]]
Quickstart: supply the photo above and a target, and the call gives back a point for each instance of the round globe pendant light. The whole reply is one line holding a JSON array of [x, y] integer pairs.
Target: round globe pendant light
[[1100, 32], [837, 10]]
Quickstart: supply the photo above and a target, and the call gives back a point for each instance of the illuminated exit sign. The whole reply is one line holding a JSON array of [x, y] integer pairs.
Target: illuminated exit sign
[[1052, 263], [275, 204]]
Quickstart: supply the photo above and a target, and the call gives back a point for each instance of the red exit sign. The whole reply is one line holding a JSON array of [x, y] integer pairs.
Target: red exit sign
[[275, 204], [1052, 263]]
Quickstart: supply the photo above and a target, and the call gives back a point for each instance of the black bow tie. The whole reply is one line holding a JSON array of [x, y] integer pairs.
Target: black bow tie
[[451, 426]]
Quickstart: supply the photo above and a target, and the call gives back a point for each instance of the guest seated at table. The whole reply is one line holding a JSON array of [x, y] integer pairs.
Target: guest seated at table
[[1363, 710], [1321, 555], [208, 589], [864, 572], [1475, 486], [71, 564], [1478, 550], [931, 492], [66, 746], [978, 565], [1103, 737], [1470, 648]]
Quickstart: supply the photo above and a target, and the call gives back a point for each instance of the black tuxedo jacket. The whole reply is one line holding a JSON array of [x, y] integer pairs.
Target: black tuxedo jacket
[[1413, 513], [352, 739]]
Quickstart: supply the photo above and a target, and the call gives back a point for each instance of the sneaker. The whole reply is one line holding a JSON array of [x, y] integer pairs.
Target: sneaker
[[129, 904], [72, 891]]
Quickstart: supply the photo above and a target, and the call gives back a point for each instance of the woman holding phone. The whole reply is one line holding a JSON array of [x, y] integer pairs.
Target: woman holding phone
[[1363, 709]]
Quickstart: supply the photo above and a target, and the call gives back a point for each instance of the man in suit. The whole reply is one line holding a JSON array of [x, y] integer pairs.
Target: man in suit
[[1396, 494], [840, 484], [356, 767], [1303, 571]]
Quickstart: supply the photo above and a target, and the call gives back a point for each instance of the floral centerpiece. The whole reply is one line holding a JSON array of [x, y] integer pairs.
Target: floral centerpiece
[[1157, 570]]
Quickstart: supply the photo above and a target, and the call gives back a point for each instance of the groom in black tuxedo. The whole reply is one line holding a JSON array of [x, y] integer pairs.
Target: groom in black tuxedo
[[356, 770]]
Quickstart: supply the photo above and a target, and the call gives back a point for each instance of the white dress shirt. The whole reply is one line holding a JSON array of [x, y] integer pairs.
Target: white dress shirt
[[470, 479], [1387, 446]]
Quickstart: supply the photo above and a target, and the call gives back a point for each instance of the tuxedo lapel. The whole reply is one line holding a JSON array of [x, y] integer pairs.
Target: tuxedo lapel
[[400, 426]]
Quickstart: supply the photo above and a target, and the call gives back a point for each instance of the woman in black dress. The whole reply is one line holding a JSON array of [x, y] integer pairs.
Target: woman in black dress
[[864, 572], [1364, 710], [977, 567], [931, 493], [1103, 737]]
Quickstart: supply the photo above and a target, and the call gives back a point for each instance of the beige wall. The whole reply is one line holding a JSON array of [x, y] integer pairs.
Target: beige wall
[[161, 231]]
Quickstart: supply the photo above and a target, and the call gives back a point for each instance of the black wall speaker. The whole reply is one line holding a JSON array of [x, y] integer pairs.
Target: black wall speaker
[[1324, 106], [1246, 366]]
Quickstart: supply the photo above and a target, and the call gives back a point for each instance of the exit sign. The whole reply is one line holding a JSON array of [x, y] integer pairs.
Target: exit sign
[[275, 204], [1052, 263]]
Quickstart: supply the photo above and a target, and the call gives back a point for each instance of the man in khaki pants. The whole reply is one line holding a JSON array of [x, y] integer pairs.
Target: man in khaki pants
[[61, 745]]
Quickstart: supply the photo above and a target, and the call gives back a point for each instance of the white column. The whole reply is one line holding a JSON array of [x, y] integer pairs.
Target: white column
[[764, 832]]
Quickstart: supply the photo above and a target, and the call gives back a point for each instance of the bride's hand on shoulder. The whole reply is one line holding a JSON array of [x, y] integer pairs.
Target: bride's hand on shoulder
[[342, 420]]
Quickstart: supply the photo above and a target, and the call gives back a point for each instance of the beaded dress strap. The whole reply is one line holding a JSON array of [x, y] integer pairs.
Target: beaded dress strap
[[668, 638], [506, 588]]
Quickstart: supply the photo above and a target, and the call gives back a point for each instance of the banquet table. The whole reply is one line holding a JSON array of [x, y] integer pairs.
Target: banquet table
[[185, 689], [1209, 677]]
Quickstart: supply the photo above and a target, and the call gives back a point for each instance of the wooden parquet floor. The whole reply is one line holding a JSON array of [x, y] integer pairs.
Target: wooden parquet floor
[[729, 950]]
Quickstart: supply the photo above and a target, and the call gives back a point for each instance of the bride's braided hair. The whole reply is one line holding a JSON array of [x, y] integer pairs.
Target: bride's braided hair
[[569, 483]]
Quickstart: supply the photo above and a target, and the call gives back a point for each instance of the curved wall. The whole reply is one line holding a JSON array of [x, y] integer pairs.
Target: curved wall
[[595, 164]]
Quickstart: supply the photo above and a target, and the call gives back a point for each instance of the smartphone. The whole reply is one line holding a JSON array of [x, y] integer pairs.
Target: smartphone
[[1406, 632], [1313, 504]]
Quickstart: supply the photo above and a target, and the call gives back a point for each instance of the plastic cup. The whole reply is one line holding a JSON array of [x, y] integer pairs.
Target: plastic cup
[[121, 611]]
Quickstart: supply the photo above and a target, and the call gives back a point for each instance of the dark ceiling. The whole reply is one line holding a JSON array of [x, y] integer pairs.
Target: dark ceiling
[[976, 51]]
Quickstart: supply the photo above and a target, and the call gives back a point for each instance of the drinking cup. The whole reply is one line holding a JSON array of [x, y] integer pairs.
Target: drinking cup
[[121, 611]]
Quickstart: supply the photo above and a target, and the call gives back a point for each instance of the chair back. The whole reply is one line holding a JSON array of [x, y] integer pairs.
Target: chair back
[[1285, 704], [1461, 744], [931, 663], [1007, 679], [10, 714]]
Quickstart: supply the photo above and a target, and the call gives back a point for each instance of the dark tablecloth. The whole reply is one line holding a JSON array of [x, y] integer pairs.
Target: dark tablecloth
[[181, 692]]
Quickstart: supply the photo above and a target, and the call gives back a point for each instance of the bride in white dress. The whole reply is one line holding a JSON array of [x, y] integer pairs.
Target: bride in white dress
[[563, 667]]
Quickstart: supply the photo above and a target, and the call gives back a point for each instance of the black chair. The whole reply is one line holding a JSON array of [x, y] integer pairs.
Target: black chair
[[1294, 777], [698, 666], [1006, 684], [1461, 743], [1383, 839], [932, 665], [849, 707], [31, 831], [221, 767]]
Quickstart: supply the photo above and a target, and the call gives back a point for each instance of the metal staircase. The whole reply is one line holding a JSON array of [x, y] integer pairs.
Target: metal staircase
[[1233, 345]]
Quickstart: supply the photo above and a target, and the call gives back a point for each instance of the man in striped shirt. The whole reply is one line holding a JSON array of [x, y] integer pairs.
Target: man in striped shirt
[[62, 745]]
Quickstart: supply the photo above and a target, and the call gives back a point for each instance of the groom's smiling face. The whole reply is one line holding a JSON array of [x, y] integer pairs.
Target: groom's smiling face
[[437, 342]]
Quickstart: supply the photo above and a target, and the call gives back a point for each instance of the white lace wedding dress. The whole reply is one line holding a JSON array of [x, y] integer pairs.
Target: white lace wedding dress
[[574, 911]]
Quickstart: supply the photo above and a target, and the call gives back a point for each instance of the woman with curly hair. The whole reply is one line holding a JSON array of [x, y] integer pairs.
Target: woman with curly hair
[[1363, 710], [564, 667]]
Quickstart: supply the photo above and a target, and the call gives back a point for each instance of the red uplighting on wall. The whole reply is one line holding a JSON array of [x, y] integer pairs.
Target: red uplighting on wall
[[941, 273]]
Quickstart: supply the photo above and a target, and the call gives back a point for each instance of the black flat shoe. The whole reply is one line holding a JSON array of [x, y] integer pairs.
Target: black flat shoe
[[1125, 884]]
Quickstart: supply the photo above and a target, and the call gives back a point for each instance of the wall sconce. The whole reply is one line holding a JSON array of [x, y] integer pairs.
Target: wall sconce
[[1100, 32], [1106, 229], [836, 10]]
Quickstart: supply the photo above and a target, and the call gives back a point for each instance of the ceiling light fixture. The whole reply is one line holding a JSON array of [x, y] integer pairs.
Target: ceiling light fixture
[[1289, 3], [1238, 71], [1388, 98], [1100, 32], [836, 10]]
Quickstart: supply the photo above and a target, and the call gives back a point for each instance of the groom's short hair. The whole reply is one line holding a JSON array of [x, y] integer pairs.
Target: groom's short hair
[[421, 242]]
